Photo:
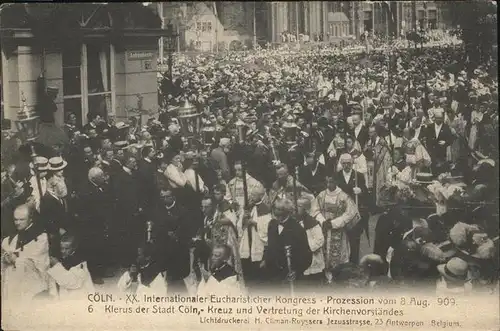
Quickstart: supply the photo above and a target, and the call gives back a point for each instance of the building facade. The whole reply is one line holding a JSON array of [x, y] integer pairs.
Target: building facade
[[331, 20], [98, 62], [208, 26]]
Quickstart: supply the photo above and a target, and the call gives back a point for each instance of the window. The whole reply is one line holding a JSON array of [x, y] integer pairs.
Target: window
[[199, 26], [432, 19], [71, 59], [98, 79], [72, 79], [206, 27], [88, 78]]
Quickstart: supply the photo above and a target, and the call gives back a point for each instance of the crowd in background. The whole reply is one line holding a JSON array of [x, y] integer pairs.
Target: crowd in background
[[333, 140]]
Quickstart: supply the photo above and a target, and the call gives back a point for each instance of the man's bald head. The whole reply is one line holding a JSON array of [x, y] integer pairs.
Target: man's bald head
[[22, 217], [97, 176], [257, 193]]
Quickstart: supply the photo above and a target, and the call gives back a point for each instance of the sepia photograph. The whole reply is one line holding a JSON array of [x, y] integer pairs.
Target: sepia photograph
[[269, 165]]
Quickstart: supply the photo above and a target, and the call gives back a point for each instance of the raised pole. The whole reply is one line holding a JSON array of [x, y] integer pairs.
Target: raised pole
[[288, 252]]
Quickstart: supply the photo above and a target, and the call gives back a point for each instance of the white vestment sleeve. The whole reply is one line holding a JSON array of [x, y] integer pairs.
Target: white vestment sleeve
[[69, 279], [159, 285], [39, 253], [422, 156], [229, 214], [124, 282], [316, 212], [315, 238], [350, 214], [332, 151], [175, 176], [262, 227]]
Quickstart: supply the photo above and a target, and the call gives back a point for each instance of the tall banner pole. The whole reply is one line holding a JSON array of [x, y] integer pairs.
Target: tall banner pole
[[35, 171], [216, 28], [288, 252], [242, 127], [295, 175]]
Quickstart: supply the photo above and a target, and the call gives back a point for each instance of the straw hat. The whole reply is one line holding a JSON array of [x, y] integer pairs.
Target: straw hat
[[455, 269], [57, 163], [41, 163]]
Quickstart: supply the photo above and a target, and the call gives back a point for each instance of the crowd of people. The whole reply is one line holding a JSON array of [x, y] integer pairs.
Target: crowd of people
[[331, 141]]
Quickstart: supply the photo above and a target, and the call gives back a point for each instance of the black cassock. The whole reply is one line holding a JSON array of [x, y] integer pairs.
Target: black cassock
[[96, 213], [128, 223], [293, 234], [173, 230], [313, 178]]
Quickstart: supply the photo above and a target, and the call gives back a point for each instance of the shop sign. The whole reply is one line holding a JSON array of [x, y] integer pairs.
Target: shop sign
[[139, 55]]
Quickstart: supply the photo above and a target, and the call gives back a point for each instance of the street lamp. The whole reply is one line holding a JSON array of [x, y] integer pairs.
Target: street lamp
[[27, 122], [208, 135], [190, 121], [242, 130], [27, 125], [290, 130]]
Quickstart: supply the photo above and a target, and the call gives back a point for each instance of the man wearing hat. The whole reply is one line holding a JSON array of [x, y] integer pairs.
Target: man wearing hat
[[454, 277], [41, 164], [56, 166]]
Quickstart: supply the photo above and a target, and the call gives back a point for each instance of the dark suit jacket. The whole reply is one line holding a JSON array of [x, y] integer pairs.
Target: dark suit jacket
[[208, 174], [54, 214], [175, 249], [96, 210], [176, 144], [362, 137], [146, 176], [315, 183], [348, 187], [423, 134], [436, 151], [126, 191], [391, 226], [293, 234], [260, 165]]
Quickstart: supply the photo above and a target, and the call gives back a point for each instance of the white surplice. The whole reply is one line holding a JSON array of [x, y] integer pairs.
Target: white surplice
[[75, 283], [28, 276]]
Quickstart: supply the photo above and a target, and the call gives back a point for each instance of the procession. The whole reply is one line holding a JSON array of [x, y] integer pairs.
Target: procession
[[274, 169]]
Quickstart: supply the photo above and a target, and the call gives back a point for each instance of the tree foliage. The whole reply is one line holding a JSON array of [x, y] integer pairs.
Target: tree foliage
[[476, 23]]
